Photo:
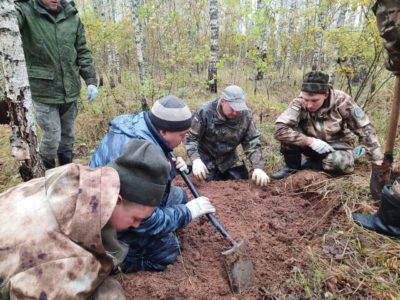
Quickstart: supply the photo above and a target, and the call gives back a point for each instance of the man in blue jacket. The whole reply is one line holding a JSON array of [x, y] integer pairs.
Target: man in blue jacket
[[154, 245]]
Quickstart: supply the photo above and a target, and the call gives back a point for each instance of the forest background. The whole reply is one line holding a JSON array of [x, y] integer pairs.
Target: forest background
[[145, 49]]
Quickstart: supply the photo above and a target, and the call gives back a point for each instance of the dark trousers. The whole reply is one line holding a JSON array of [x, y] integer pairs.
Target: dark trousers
[[231, 174], [292, 155]]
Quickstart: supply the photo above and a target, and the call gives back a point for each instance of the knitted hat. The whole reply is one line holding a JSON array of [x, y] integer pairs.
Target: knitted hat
[[315, 82], [235, 96], [171, 114], [143, 173]]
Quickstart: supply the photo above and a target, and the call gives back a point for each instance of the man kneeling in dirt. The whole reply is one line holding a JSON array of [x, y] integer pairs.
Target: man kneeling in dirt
[[154, 245], [321, 124], [58, 233], [218, 128]]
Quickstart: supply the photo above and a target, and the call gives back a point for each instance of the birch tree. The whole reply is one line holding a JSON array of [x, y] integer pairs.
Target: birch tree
[[139, 51], [24, 145], [212, 65]]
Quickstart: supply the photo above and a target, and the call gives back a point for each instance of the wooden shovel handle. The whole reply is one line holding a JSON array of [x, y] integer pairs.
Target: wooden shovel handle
[[394, 118]]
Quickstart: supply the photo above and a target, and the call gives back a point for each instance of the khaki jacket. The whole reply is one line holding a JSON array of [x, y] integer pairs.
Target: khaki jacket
[[50, 234]]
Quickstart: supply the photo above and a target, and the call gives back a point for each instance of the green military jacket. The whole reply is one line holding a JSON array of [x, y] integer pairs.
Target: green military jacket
[[56, 52], [214, 139]]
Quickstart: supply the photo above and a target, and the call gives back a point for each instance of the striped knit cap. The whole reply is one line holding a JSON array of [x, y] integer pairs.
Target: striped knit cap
[[171, 114]]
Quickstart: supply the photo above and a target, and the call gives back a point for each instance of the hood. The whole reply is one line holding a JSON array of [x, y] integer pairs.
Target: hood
[[82, 200]]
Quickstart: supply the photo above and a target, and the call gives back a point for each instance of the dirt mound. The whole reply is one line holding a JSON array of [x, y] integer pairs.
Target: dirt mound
[[276, 227]]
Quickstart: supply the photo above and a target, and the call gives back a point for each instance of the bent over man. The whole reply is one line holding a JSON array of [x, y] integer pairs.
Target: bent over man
[[154, 245], [57, 56], [58, 233], [321, 124], [218, 128]]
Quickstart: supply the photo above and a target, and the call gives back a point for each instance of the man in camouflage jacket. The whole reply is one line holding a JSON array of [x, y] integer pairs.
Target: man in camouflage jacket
[[56, 56], [218, 127], [58, 233], [322, 123]]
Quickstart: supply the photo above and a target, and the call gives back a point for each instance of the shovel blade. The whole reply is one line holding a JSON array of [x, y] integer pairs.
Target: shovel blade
[[239, 268], [380, 176]]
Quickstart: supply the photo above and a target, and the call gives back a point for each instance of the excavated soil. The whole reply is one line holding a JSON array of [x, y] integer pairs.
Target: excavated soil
[[277, 223]]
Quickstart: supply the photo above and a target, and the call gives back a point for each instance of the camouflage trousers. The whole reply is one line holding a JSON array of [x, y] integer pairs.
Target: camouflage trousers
[[57, 122], [340, 161]]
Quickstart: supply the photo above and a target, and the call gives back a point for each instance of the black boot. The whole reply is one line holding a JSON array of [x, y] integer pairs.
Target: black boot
[[48, 163], [387, 220], [293, 164], [64, 158]]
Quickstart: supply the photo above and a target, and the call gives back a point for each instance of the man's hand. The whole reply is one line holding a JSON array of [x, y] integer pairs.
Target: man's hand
[[200, 206], [180, 164], [199, 169], [378, 162], [260, 178], [320, 146], [92, 92]]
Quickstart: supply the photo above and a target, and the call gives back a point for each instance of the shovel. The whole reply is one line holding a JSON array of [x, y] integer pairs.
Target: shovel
[[380, 175], [240, 269]]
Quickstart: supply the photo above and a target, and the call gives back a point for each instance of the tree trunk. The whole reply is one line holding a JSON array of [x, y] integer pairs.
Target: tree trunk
[[139, 51], [24, 145], [212, 65]]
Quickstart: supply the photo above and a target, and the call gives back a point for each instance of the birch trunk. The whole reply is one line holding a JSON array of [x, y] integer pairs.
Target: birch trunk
[[24, 144], [212, 65], [139, 51]]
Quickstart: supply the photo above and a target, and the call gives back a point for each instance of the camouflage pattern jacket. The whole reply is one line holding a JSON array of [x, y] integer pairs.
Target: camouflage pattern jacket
[[214, 139], [50, 234], [56, 52], [336, 122]]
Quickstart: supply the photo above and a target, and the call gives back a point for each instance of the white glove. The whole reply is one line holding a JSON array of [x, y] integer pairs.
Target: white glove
[[260, 177], [180, 164], [199, 169], [320, 146], [200, 206], [92, 92]]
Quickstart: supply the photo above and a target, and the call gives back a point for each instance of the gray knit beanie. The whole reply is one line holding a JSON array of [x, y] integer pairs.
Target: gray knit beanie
[[171, 114], [143, 173]]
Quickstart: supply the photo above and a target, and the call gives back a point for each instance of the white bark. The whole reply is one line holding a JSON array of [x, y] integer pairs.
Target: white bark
[[214, 27], [18, 95]]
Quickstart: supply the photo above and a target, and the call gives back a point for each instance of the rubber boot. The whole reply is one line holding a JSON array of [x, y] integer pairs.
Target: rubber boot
[[387, 220], [64, 158], [48, 163], [293, 164]]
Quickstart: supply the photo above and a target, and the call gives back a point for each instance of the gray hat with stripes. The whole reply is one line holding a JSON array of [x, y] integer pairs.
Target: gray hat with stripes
[[171, 114]]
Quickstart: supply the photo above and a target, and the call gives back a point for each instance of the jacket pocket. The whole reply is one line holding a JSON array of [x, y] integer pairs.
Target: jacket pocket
[[40, 73]]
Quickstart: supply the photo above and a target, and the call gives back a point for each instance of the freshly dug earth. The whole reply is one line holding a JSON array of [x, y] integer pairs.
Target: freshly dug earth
[[277, 222]]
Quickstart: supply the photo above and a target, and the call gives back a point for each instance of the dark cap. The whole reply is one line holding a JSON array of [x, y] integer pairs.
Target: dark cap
[[143, 173], [316, 82], [171, 114]]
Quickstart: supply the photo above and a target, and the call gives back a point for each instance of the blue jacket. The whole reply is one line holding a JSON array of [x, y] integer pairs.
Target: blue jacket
[[122, 129]]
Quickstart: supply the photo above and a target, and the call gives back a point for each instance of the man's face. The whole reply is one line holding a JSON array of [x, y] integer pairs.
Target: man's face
[[51, 4], [174, 138], [228, 111], [129, 214], [313, 102], [388, 20]]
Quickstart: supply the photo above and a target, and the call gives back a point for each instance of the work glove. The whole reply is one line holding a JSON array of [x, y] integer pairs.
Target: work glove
[[199, 169], [92, 92], [199, 207], [181, 165], [358, 151], [320, 146], [259, 177]]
